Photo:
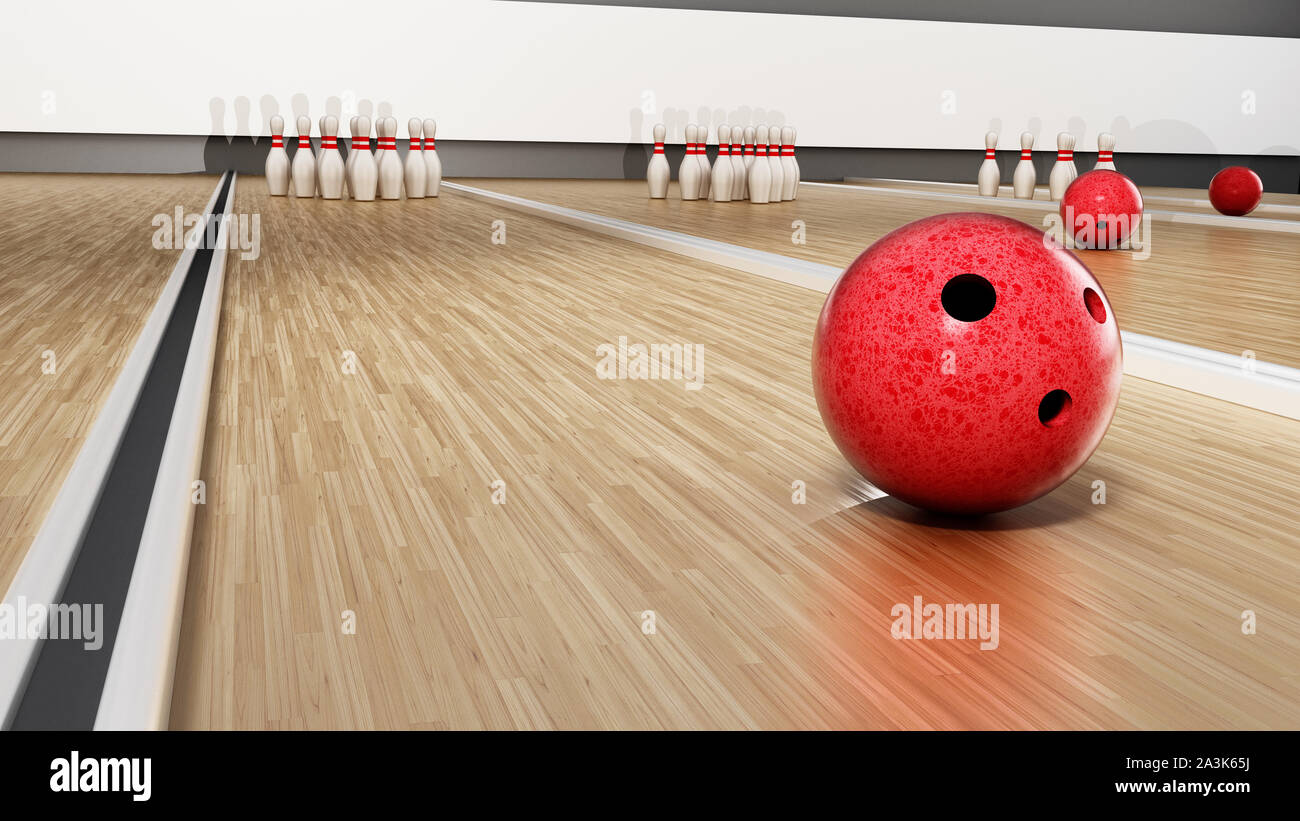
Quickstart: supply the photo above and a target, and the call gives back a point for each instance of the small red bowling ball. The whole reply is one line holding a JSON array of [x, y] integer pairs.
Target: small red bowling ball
[[1236, 190], [966, 364], [1101, 208]]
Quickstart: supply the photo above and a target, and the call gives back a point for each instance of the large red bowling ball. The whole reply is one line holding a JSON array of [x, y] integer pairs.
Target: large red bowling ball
[[966, 364], [1236, 191], [1101, 208]]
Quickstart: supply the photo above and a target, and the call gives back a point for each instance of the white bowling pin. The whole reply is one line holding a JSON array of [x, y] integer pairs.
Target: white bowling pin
[[738, 188], [990, 176], [721, 182], [390, 165], [760, 172], [416, 173], [798, 175], [364, 173], [1025, 177], [321, 124], [329, 172], [702, 156], [432, 165], [787, 164], [688, 173], [1063, 170], [774, 163], [1105, 151], [277, 162], [304, 162], [748, 155], [658, 172], [352, 155]]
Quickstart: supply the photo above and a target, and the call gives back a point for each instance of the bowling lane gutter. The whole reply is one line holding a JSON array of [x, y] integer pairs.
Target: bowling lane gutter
[[117, 536], [1262, 385]]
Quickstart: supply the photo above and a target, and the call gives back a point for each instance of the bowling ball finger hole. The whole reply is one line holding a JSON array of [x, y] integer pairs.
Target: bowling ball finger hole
[[1095, 306], [1054, 408], [968, 297]]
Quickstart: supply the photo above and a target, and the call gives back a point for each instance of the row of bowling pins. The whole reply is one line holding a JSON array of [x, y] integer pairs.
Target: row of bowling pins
[[363, 174], [745, 170], [1026, 177]]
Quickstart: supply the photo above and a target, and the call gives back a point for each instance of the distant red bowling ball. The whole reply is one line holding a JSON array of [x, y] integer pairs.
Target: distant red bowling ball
[[965, 364], [1236, 191], [1101, 208]]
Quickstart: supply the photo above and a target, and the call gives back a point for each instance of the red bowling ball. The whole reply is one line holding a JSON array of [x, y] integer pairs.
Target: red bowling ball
[[966, 364], [1101, 208], [1236, 191]]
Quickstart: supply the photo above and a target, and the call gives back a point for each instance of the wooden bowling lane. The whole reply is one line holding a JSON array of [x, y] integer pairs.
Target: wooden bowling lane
[[80, 276], [1224, 289], [372, 492], [1272, 205]]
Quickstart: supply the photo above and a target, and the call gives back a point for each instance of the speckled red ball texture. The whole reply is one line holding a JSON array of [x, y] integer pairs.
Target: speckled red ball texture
[[1236, 191], [969, 415], [1104, 206]]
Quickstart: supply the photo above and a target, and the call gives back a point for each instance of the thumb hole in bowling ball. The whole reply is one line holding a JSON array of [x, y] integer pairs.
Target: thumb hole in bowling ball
[[968, 297], [1054, 408], [1095, 306]]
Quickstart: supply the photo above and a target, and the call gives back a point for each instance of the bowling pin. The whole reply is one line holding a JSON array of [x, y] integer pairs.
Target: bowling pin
[[688, 173], [760, 172], [1105, 151], [721, 183], [774, 163], [321, 123], [277, 162], [432, 165], [990, 176], [787, 163], [304, 162], [352, 155], [738, 189], [364, 173], [1063, 171], [416, 173], [390, 166], [658, 172], [329, 172], [798, 175], [702, 157], [749, 155], [1023, 180]]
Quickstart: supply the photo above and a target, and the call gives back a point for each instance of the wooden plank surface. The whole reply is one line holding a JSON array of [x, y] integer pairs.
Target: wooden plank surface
[[372, 491]]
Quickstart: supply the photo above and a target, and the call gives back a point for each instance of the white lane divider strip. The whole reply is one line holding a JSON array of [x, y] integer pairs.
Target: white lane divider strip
[[1260, 385], [1044, 206]]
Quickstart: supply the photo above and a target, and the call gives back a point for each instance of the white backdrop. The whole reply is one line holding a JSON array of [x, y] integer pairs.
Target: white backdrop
[[524, 71]]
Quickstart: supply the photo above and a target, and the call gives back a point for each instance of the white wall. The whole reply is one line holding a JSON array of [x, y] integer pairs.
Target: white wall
[[517, 71]]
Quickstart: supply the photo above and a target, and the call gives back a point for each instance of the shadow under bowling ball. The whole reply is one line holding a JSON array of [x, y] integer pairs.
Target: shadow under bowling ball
[[1052, 509]]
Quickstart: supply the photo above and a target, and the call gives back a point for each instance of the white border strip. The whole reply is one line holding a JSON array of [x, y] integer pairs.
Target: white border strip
[[1044, 206], [1260, 385], [44, 570], [812, 275], [1262, 208], [138, 688]]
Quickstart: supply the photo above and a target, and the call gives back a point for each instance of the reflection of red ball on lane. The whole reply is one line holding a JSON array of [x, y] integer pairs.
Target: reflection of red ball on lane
[[1236, 191], [1101, 208], [964, 364]]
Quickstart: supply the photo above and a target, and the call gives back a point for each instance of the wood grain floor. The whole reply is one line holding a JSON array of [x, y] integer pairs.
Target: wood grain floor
[[1224, 289], [475, 362], [78, 277]]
